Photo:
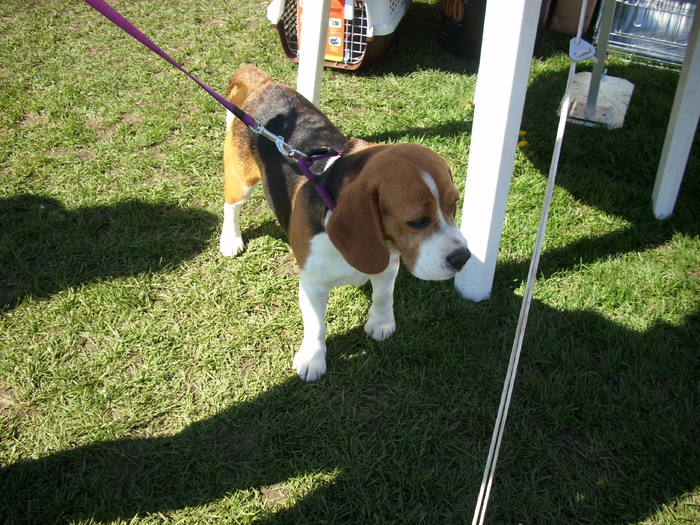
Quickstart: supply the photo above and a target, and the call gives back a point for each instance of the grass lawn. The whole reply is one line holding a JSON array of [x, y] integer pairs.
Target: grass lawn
[[146, 379]]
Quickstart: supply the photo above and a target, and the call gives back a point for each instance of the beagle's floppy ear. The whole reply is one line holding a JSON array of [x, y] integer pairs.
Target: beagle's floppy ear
[[355, 229]]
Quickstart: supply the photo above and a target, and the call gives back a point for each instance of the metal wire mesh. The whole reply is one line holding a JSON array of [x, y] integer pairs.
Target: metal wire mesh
[[356, 36], [289, 26], [656, 30]]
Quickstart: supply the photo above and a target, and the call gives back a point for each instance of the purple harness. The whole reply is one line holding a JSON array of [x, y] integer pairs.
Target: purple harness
[[305, 160]]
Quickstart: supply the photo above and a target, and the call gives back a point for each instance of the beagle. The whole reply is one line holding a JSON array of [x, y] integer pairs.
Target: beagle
[[391, 201]]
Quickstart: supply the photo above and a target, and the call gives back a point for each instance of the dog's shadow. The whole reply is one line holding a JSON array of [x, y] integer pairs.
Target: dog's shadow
[[47, 247]]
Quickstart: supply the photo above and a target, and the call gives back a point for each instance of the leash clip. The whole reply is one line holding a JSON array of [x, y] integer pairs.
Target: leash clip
[[284, 148], [305, 161]]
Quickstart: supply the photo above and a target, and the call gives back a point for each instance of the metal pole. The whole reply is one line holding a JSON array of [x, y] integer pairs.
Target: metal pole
[[599, 67]]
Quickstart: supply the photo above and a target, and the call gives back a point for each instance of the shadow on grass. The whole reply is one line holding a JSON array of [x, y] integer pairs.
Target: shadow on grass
[[452, 129], [603, 429], [269, 228], [611, 169], [47, 248]]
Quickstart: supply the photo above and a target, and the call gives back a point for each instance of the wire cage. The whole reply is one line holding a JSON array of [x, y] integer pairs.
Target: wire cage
[[656, 30], [359, 30]]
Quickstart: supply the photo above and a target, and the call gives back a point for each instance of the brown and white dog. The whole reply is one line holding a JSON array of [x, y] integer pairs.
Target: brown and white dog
[[391, 201]]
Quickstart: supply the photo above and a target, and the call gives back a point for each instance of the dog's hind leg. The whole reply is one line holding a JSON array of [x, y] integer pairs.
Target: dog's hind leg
[[241, 174]]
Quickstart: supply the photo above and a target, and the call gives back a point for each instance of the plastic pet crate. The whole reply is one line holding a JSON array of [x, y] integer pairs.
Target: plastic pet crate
[[358, 31], [656, 30]]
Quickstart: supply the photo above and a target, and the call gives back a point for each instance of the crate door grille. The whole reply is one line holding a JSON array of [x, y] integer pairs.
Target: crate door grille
[[356, 36], [355, 32], [289, 26]]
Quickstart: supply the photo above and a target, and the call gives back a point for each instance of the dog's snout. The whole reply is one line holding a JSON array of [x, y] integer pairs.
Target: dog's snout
[[458, 258]]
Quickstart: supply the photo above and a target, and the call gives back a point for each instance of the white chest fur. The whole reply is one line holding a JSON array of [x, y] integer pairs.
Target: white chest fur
[[326, 265]]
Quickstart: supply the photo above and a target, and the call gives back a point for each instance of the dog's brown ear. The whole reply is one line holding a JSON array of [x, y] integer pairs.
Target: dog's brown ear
[[355, 229]]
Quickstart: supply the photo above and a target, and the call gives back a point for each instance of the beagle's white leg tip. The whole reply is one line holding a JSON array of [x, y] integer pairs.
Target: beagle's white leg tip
[[231, 241], [380, 328], [310, 365], [231, 245]]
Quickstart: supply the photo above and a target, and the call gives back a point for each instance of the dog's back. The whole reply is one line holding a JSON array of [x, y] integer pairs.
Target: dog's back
[[286, 113]]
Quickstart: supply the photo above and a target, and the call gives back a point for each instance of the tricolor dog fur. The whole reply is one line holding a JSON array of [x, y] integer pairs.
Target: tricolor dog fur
[[392, 201]]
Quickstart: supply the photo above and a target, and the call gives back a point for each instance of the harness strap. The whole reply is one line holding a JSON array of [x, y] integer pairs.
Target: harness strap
[[285, 149], [305, 164]]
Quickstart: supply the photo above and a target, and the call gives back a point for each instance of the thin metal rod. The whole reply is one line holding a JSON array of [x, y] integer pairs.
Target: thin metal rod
[[602, 50]]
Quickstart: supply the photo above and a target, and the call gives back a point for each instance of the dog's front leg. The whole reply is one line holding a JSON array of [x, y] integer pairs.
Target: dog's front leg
[[381, 323], [310, 360]]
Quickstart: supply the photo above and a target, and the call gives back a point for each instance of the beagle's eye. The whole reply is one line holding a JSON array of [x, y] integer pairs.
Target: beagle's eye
[[420, 223], [453, 209]]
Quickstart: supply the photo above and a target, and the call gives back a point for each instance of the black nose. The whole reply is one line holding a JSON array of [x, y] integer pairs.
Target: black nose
[[458, 258]]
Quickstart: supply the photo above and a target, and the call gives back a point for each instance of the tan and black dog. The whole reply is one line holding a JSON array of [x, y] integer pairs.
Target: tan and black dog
[[391, 201]]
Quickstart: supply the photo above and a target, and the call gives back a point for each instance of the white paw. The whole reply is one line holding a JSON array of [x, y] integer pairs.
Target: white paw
[[231, 245], [380, 327], [310, 365]]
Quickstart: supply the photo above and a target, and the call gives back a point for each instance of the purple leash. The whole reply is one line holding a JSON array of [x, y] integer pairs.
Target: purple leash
[[305, 161]]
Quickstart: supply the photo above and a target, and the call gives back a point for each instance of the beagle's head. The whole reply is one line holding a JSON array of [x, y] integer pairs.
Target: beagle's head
[[402, 200]]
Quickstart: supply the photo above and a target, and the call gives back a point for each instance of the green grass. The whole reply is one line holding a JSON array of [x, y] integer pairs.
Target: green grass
[[146, 379]]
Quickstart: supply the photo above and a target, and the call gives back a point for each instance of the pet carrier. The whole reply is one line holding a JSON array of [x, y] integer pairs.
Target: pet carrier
[[656, 30], [358, 30]]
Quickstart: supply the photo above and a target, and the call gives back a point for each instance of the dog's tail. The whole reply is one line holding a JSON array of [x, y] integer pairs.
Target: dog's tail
[[243, 82]]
